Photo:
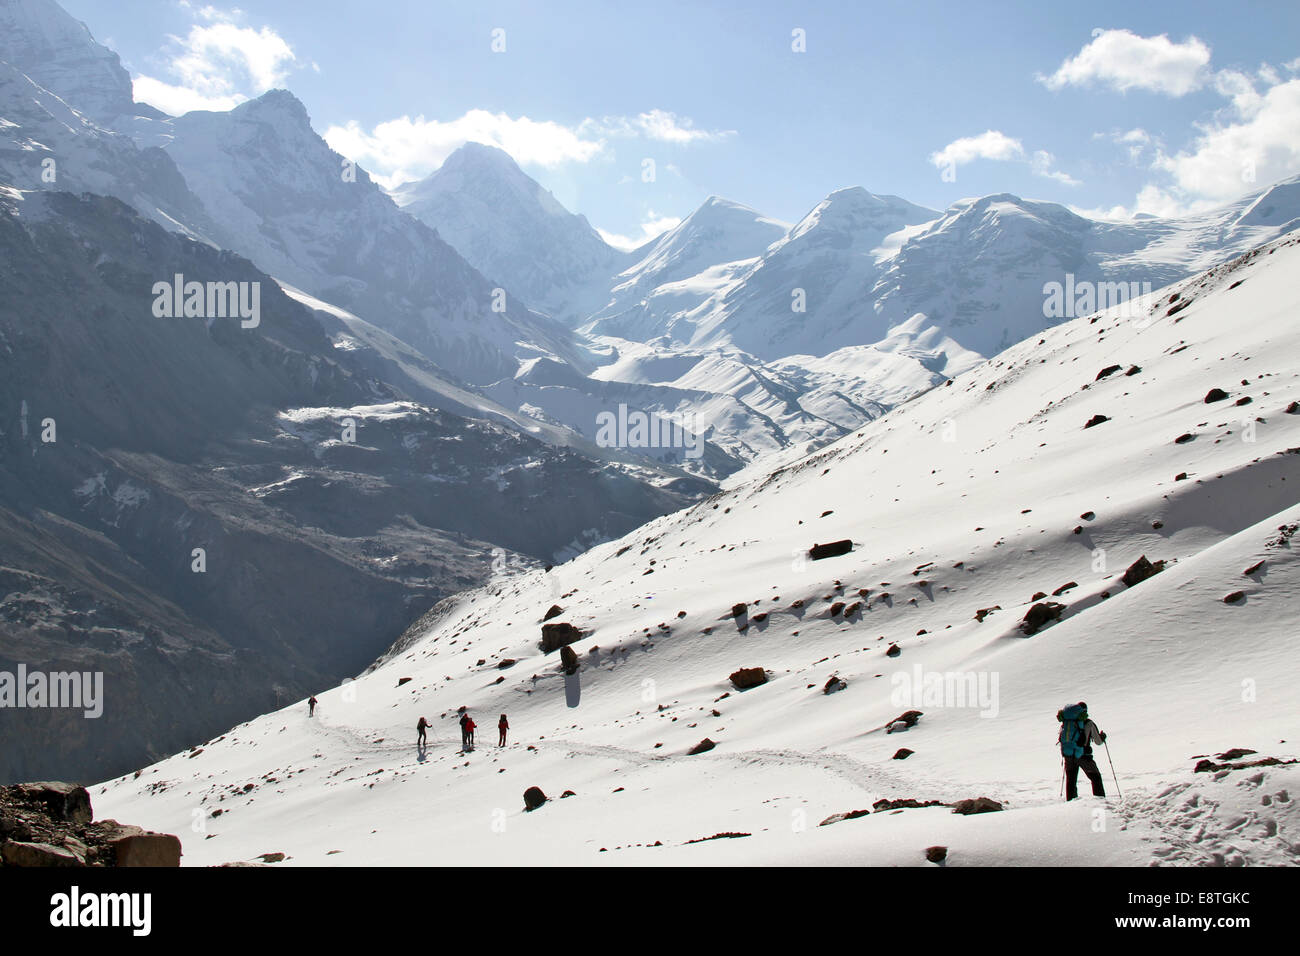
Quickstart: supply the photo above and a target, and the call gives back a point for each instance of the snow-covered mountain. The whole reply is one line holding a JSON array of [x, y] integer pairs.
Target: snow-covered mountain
[[512, 230], [57, 52], [1105, 511], [302, 212]]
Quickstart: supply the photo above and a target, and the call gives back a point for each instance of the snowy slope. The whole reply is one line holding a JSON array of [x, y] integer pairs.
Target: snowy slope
[[978, 494]]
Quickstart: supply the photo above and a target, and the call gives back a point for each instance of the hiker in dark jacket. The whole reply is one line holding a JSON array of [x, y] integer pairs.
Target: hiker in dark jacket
[[311, 707], [1078, 734], [464, 734], [502, 726], [420, 728]]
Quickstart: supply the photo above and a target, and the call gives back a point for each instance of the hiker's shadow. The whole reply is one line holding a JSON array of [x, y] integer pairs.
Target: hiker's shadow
[[421, 753], [572, 689]]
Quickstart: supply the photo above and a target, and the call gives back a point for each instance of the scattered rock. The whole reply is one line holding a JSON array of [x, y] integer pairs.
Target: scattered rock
[[1215, 395], [739, 610], [704, 746], [834, 684], [1234, 597], [1108, 370], [553, 611], [893, 651], [903, 721], [984, 612], [902, 753], [906, 803], [1065, 587], [534, 798], [837, 608], [976, 805], [1040, 615], [568, 660], [1140, 570], [936, 854], [1253, 569], [1096, 420]]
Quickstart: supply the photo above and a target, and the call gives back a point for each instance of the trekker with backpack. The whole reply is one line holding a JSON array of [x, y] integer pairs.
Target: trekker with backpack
[[469, 732], [311, 707], [502, 726], [464, 734], [420, 728], [1078, 733]]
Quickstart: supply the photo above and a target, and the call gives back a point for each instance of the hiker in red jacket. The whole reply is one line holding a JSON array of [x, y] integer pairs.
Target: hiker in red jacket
[[502, 726], [469, 732]]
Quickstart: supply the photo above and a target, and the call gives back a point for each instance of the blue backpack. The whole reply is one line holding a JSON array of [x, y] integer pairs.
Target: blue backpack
[[1074, 733]]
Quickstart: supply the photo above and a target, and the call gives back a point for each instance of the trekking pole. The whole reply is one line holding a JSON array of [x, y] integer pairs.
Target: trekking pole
[[1112, 770], [1062, 776]]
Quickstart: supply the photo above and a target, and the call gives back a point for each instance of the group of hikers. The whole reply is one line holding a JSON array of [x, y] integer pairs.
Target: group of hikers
[[1078, 733], [467, 728]]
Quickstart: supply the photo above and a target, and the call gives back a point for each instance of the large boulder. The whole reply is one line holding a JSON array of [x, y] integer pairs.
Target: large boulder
[[555, 636], [831, 550], [568, 660], [133, 846], [15, 853], [65, 802], [748, 677]]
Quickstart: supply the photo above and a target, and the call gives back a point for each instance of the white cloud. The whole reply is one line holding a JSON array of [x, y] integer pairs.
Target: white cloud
[[1257, 142], [403, 149], [1041, 164], [991, 144], [217, 66], [656, 124], [652, 227], [1125, 61], [996, 145]]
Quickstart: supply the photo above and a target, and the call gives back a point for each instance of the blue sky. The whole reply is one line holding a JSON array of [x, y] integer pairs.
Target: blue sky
[[1113, 108]]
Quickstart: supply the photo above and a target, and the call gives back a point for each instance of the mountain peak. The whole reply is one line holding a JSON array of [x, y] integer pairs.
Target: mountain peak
[[274, 103]]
